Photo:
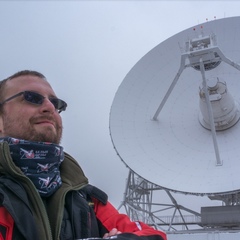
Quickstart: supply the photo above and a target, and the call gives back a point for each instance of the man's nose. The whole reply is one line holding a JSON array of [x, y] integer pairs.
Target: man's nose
[[47, 106]]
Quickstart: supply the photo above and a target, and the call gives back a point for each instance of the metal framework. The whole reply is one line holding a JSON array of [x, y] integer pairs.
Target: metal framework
[[157, 207], [142, 202]]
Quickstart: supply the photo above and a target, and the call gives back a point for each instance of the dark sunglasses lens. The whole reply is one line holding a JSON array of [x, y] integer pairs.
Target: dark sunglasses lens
[[37, 98], [33, 97], [58, 104]]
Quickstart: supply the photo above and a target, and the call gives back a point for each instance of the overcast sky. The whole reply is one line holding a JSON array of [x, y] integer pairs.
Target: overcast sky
[[85, 49]]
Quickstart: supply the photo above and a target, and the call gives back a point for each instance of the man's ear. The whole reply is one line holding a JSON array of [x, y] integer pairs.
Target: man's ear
[[1, 126]]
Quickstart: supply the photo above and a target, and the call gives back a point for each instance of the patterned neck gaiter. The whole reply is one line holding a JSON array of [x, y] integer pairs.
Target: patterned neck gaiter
[[39, 161]]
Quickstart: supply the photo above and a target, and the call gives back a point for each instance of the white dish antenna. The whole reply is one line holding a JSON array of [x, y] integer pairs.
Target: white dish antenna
[[174, 118]]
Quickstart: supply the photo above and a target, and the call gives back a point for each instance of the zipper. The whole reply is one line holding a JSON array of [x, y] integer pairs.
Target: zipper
[[61, 206]]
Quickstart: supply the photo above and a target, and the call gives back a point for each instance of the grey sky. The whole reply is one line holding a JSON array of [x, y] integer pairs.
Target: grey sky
[[85, 49]]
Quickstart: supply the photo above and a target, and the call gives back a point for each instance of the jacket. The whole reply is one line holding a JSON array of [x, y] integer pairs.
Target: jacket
[[76, 210]]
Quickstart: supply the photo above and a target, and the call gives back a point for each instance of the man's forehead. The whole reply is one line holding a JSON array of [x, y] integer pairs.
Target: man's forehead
[[27, 82], [26, 79]]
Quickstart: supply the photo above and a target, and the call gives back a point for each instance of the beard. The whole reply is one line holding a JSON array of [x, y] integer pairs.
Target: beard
[[19, 129]]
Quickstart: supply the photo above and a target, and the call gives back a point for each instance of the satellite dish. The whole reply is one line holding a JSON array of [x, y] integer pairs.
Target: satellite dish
[[175, 117]]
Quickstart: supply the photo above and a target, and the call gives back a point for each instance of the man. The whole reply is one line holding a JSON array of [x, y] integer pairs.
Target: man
[[44, 193]]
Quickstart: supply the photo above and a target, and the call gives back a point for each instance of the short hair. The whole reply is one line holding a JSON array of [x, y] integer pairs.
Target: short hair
[[15, 75]]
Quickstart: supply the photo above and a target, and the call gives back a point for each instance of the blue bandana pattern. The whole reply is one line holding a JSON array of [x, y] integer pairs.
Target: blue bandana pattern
[[39, 161]]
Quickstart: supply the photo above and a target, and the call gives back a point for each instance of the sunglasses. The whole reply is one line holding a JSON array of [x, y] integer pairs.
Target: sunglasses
[[37, 99]]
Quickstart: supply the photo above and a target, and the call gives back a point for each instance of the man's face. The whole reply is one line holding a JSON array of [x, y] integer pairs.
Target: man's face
[[24, 120]]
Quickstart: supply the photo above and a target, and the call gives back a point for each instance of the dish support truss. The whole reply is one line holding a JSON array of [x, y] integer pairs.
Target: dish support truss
[[139, 205], [156, 206]]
